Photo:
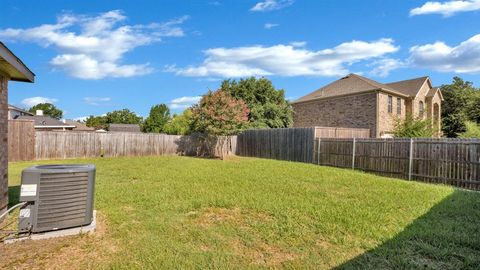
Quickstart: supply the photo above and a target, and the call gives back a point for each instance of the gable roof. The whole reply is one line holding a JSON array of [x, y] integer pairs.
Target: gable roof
[[433, 91], [14, 108], [350, 84], [43, 121], [13, 66], [409, 87]]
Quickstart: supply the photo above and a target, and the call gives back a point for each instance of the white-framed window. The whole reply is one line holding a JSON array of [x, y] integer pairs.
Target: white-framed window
[[390, 106]]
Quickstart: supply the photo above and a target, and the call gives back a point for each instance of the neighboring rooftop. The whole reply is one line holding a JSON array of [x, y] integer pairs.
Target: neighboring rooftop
[[354, 84], [78, 126], [13, 66], [42, 121], [124, 128], [15, 108]]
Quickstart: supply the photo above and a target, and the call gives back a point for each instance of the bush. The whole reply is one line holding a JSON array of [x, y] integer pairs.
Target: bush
[[179, 124], [473, 131], [413, 128]]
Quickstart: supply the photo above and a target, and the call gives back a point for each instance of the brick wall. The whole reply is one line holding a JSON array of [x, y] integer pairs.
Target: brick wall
[[3, 143], [387, 120], [357, 111]]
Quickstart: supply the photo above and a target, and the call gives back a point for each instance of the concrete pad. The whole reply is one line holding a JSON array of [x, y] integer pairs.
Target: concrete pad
[[58, 233]]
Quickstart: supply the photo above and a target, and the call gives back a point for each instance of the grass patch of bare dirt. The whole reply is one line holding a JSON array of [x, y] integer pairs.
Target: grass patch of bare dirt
[[86, 251]]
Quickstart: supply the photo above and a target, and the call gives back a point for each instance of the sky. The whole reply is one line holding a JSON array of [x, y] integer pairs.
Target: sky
[[92, 57]]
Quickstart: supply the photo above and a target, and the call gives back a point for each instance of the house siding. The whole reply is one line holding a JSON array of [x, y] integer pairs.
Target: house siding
[[386, 123], [355, 111], [3, 143]]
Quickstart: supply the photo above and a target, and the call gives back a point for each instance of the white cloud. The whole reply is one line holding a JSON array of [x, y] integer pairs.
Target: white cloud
[[92, 47], [463, 58], [96, 101], [447, 8], [30, 102], [269, 5], [298, 43], [184, 102], [270, 25], [285, 60], [81, 118], [383, 67]]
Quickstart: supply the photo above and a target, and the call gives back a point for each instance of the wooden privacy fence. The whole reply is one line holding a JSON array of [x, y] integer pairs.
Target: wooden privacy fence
[[340, 132], [448, 161], [59, 145], [294, 144], [21, 140]]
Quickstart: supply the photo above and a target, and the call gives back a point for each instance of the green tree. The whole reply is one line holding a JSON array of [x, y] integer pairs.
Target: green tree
[[124, 116], [268, 106], [97, 122], [453, 124], [472, 131], [156, 120], [473, 111], [459, 97], [48, 109], [218, 113], [413, 128], [179, 124]]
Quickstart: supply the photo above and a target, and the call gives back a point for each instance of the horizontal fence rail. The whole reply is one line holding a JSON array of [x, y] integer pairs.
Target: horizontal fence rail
[[448, 161], [59, 145]]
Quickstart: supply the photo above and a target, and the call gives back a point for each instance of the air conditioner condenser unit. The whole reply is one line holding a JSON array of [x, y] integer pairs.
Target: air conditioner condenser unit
[[57, 197]]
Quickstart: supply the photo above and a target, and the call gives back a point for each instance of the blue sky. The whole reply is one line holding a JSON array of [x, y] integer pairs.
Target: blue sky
[[92, 57]]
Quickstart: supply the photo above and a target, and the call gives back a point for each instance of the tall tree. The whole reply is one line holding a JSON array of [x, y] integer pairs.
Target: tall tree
[[268, 106], [459, 97], [124, 116], [156, 120], [97, 122], [218, 113], [48, 109], [179, 124]]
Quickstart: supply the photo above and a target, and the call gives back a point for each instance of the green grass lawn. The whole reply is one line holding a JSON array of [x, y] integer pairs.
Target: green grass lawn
[[183, 213]]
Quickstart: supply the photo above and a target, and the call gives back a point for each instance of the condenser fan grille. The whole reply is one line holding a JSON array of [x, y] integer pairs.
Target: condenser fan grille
[[62, 199]]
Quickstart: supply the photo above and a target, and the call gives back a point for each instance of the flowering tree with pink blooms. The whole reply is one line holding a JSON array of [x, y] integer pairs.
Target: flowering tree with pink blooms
[[216, 116], [218, 113]]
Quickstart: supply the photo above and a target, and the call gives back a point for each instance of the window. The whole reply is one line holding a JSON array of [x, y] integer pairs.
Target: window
[[390, 109], [421, 109], [399, 106]]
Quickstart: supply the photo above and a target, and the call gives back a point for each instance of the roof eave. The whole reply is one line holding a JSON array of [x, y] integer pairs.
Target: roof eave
[[26, 75], [352, 94], [54, 126]]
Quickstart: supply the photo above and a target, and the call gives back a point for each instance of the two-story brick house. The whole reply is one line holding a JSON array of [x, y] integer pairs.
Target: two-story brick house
[[358, 102]]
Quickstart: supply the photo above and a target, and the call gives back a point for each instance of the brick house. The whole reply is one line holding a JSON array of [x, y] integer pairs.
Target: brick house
[[358, 102], [11, 69]]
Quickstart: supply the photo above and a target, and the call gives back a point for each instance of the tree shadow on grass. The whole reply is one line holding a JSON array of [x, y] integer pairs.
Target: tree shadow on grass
[[447, 237], [13, 195]]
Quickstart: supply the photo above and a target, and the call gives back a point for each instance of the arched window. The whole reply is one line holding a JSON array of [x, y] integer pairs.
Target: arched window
[[421, 109]]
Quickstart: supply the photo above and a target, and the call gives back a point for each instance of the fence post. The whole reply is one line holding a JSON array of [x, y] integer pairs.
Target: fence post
[[353, 154], [318, 151], [410, 160]]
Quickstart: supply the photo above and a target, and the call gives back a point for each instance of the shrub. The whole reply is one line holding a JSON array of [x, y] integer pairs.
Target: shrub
[[473, 131], [413, 128]]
